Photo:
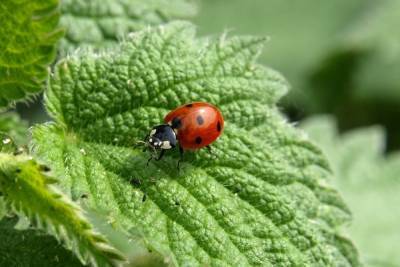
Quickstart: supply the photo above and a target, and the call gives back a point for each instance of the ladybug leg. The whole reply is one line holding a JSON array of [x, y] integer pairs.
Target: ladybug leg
[[156, 158], [153, 154], [210, 151], [161, 155], [145, 139], [180, 157]]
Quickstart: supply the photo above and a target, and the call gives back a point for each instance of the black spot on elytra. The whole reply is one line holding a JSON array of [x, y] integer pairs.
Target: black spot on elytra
[[200, 120], [189, 105], [198, 140], [176, 123], [218, 126]]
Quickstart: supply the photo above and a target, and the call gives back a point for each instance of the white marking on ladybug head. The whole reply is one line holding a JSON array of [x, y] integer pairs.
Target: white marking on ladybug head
[[151, 140], [166, 145]]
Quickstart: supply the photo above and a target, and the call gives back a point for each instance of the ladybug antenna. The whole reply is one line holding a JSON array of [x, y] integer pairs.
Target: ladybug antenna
[[145, 145], [139, 143], [142, 142], [153, 154]]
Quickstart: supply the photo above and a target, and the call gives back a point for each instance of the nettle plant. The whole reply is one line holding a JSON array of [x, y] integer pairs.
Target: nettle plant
[[262, 198]]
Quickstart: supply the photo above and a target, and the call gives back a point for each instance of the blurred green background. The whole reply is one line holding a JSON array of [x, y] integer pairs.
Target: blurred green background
[[341, 57]]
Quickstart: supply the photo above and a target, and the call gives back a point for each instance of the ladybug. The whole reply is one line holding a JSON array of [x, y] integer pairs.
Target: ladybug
[[190, 127]]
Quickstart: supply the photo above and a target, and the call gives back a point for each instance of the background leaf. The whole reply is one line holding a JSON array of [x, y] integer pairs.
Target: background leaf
[[28, 34], [31, 248], [370, 183], [12, 125], [27, 191], [346, 54], [101, 23], [3, 209], [263, 199], [368, 88], [299, 31]]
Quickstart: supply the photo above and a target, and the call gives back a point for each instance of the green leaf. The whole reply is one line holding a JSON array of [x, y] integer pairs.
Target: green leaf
[[12, 125], [370, 183], [28, 191], [31, 248], [13, 133], [101, 23], [3, 209], [28, 35], [130, 242], [261, 199]]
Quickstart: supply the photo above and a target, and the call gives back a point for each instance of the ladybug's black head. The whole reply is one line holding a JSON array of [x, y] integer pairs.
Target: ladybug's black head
[[162, 137]]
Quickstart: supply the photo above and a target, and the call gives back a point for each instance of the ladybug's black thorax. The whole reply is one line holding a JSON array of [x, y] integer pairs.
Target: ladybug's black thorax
[[162, 137]]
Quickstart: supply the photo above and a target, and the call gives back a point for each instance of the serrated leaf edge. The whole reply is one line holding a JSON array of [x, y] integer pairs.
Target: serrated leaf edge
[[46, 222]]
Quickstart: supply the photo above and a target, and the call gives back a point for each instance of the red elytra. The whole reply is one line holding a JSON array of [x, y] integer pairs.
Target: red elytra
[[198, 124]]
